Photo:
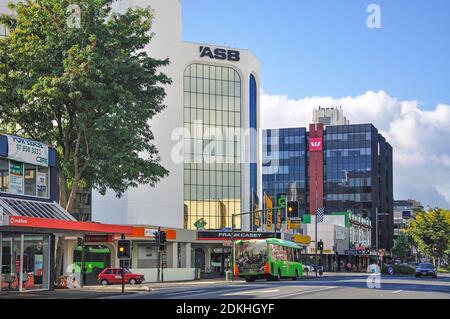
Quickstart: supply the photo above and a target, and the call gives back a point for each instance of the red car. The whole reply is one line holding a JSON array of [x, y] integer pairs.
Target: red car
[[114, 276]]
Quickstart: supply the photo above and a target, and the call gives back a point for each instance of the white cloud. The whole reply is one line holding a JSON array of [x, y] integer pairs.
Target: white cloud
[[420, 138]]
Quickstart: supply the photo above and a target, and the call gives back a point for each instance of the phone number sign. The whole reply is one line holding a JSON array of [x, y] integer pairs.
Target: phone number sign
[[27, 151]]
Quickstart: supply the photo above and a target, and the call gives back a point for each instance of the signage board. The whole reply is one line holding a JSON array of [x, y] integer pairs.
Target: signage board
[[219, 54], [355, 252], [41, 182], [406, 214], [150, 232], [315, 144], [226, 235], [294, 224], [98, 238], [16, 177], [27, 151]]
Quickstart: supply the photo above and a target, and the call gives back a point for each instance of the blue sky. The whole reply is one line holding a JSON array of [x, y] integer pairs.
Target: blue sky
[[324, 48]]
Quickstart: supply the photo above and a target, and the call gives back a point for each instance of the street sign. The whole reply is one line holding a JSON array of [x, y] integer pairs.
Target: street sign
[[390, 271]]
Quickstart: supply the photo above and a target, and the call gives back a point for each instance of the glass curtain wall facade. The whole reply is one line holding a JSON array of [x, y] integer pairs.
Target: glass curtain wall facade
[[349, 161], [284, 164], [212, 171]]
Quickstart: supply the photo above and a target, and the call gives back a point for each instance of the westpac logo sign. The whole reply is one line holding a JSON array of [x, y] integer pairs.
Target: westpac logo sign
[[220, 54], [315, 144]]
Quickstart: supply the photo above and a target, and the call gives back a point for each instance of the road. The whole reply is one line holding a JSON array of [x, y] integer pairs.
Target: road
[[330, 287]]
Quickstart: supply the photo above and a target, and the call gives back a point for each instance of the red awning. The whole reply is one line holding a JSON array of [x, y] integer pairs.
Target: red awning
[[65, 225]]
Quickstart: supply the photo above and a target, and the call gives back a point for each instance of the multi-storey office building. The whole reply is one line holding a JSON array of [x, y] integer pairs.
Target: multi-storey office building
[[346, 167], [214, 91], [404, 212]]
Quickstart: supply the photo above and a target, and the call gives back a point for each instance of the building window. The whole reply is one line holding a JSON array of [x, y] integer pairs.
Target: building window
[[4, 175], [212, 173], [24, 179]]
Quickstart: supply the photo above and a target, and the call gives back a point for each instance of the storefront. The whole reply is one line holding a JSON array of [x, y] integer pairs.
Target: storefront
[[31, 221]]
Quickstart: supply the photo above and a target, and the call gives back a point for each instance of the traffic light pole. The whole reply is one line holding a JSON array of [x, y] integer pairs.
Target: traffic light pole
[[159, 255]]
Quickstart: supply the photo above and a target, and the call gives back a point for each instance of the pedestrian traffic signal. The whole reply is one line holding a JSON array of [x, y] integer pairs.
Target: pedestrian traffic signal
[[320, 245], [292, 209], [367, 250], [124, 249]]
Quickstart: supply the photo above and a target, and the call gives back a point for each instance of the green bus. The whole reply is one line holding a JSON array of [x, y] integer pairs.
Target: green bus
[[96, 258], [270, 259]]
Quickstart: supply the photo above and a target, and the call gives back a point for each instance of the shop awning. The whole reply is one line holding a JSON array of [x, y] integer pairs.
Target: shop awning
[[21, 214], [65, 226], [29, 208]]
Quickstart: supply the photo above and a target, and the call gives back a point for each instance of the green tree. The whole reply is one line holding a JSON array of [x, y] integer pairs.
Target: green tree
[[89, 89], [401, 246], [430, 232]]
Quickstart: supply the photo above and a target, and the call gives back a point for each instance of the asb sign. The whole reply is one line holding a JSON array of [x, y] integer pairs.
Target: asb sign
[[27, 151], [315, 144], [220, 54]]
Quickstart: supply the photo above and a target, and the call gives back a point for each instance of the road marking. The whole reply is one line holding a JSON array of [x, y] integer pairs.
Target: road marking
[[250, 292], [397, 291], [303, 292], [185, 292], [210, 292]]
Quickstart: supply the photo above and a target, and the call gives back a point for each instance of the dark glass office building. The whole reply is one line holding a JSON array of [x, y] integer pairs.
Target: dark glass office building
[[284, 164], [345, 167]]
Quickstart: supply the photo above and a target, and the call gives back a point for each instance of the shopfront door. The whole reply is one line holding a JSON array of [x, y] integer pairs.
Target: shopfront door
[[25, 262]]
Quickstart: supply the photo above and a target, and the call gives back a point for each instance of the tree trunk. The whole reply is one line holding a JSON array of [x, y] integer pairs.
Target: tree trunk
[[60, 241]]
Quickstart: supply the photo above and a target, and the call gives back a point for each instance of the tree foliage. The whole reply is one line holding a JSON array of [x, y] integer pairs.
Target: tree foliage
[[89, 91], [430, 232], [401, 246]]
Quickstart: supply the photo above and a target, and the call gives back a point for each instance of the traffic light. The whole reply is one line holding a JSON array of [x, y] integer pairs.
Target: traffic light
[[124, 249], [367, 250], [162, 237], [292, 209], [320, 245], [80, 241]]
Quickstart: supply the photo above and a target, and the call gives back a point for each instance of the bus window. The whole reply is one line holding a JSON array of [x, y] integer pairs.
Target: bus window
[[296, 255]]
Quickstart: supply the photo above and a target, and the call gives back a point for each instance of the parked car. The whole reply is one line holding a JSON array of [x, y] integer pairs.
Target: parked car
[[114, 276], [426, 269]]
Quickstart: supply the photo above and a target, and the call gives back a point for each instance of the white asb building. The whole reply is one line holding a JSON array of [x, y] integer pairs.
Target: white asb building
[[214, 89]]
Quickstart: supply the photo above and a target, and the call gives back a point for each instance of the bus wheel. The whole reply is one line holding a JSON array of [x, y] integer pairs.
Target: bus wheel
[[296, 275], [249, 279]]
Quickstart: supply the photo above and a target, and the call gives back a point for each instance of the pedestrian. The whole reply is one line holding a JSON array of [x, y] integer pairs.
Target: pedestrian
[[349, 266]]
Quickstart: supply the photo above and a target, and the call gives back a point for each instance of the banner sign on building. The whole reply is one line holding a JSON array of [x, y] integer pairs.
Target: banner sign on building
[[269, 216], [27, 151]]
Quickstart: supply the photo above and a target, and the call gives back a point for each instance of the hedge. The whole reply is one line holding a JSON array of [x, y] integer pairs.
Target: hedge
[[399, 269]]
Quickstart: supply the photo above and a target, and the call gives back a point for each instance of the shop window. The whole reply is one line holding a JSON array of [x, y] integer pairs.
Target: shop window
[[4, 175], [30, 180]]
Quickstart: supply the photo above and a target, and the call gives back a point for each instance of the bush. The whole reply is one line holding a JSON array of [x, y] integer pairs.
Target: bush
[[399, 269], [444, 269]]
